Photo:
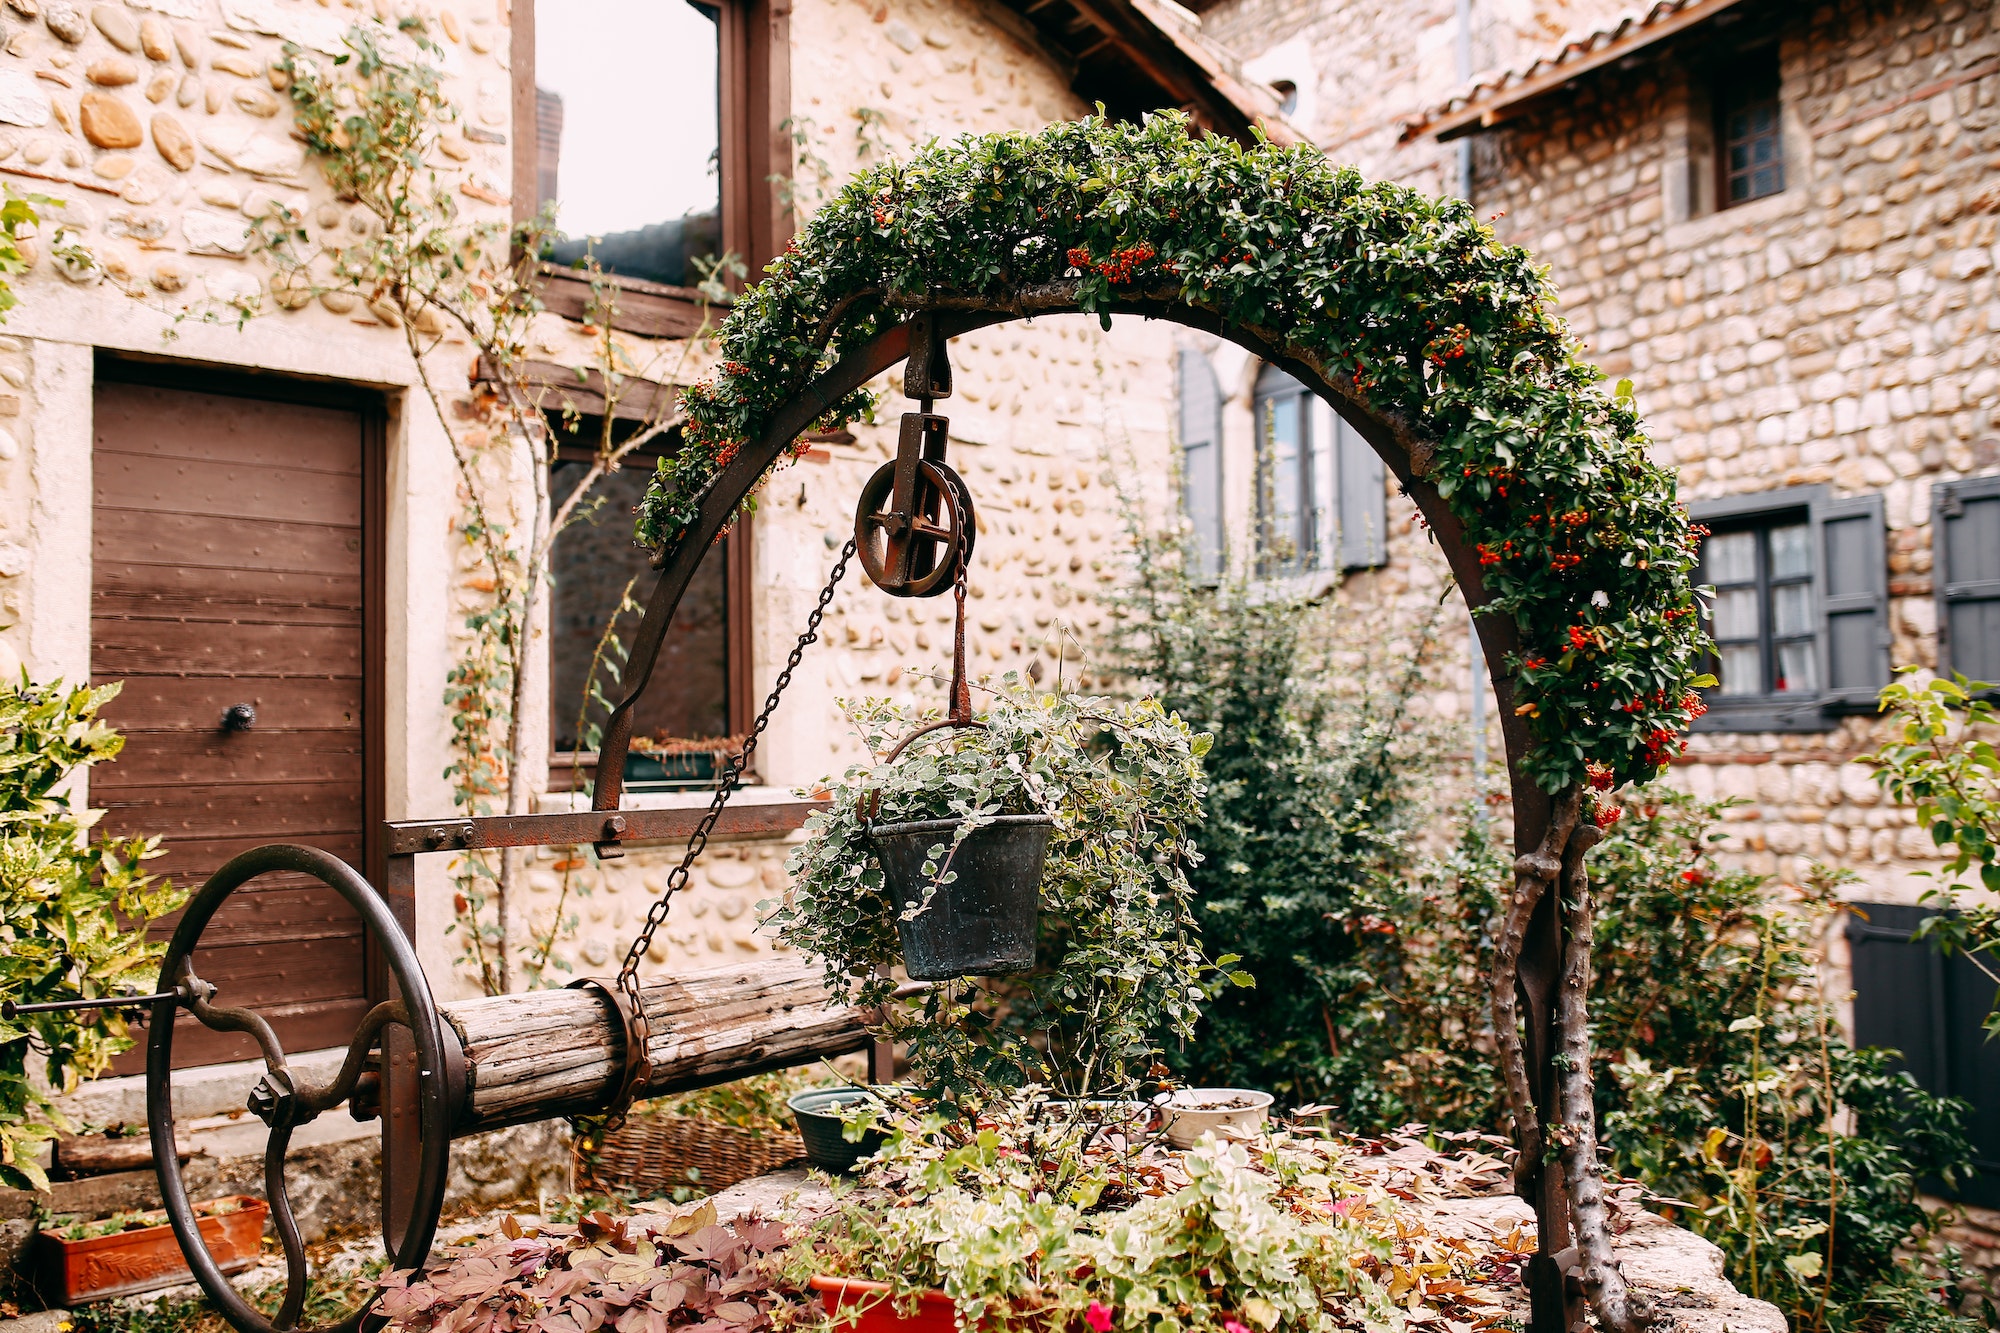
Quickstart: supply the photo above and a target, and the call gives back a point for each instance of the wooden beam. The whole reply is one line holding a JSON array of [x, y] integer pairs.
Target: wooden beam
[[573, 828], [563, 389]]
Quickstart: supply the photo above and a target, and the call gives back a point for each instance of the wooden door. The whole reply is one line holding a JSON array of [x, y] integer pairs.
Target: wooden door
[[231, 568]]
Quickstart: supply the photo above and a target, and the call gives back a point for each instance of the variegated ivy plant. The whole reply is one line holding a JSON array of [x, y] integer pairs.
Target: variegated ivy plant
[[1119, 967], [1406, 300]]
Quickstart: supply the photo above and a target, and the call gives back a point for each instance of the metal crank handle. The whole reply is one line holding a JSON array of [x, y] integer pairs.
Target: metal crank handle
[[10, 1011]]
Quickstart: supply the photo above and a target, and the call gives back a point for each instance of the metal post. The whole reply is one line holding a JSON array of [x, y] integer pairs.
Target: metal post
[[402, 1137]]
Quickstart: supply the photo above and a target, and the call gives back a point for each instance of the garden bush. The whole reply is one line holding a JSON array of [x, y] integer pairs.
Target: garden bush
[[73, 913], [1342, 860]]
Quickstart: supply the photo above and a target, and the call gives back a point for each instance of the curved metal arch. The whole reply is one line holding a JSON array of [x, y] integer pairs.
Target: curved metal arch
[[1404, 445]]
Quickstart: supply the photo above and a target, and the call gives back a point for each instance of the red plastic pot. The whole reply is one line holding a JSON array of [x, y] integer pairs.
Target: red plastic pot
[[875, 1309], [147, 1258]]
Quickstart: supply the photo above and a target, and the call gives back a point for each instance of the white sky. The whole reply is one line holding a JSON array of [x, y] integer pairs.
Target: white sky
[[637, 79]]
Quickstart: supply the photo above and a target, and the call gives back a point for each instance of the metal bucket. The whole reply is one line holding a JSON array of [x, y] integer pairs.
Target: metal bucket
[[981, 924]]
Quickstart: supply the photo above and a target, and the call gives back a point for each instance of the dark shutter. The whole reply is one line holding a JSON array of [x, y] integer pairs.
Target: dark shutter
[[1201, 461], [1364, 506], [1853, 598], [1966, 547], [1912, 999]]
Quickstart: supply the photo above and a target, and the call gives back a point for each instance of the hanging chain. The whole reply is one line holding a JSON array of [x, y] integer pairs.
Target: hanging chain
[[639, 1025]]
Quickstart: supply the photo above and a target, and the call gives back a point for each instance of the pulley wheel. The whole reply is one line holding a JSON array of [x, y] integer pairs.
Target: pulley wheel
[[914, 554]]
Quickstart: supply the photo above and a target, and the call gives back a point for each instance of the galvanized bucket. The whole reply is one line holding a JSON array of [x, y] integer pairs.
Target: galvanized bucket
[[981, 924]]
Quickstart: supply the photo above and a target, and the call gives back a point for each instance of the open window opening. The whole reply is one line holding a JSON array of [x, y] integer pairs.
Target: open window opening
[[597, 87], [673, 183]]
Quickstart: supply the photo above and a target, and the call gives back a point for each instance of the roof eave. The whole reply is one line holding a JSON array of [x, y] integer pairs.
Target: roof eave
[[1485, 113]]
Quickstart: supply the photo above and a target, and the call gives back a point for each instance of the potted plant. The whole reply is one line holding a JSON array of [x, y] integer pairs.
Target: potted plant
[[93, 1260], [1091, 803]]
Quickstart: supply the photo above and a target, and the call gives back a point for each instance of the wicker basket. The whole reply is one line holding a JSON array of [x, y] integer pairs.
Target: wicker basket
[[660, 1152]]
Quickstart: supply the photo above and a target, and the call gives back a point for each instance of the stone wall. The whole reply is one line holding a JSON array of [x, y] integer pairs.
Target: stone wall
[[1836, 333]]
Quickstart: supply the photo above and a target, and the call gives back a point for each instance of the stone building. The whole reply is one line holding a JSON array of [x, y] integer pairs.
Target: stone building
[[239, 499], [1779, 222]]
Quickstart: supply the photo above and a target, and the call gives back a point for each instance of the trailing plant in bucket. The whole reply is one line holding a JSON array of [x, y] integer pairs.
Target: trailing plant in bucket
[[1117, 964]]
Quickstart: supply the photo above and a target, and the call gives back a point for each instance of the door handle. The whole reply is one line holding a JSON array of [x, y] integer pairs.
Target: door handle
[[239, 717]]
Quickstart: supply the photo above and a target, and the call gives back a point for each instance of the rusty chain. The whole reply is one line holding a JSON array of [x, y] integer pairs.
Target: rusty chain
[[639, 1027]]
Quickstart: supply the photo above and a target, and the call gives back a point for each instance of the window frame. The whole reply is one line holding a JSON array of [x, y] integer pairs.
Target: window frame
[[1820, 710], [754, 88], [739, 646], [1944, 496], [1306, 558]]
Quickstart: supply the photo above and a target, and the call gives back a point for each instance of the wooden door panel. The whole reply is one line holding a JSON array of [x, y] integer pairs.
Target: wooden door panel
[[228, 567], [240, 548], [275, 814], [147, 646], [189, 703], [299, 912], [152, 484], [311, 1026], [236, 758]]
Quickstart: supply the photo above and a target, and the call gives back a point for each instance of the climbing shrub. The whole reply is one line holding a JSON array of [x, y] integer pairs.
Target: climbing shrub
[[1404, 300]]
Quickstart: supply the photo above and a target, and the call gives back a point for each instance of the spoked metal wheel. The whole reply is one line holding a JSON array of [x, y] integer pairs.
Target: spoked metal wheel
[[280, 1100]]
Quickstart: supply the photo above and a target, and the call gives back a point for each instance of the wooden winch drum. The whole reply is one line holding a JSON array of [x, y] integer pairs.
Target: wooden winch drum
[[543, 1054]]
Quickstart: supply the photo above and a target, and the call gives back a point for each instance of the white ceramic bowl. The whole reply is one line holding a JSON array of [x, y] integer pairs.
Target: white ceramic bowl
[[1230, 1112]]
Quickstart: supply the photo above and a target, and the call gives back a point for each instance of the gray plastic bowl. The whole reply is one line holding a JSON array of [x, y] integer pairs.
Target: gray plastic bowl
[[820, 1126]]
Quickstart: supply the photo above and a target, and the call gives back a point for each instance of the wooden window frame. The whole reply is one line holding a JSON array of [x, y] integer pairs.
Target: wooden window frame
[[739, 647], [755, 87]]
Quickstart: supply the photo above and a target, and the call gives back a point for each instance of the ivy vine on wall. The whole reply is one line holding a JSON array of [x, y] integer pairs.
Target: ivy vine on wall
[[1405, 301]]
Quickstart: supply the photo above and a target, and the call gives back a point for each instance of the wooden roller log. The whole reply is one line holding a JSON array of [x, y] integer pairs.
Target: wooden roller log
[[559, 1052]]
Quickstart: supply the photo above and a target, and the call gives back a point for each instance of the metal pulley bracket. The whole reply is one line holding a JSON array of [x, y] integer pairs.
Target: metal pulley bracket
[[909, 537], [914, 526]]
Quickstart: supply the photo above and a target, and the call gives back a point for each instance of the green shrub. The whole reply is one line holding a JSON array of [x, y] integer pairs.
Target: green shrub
[[72, 913], [1362, 899], [1306, 840]]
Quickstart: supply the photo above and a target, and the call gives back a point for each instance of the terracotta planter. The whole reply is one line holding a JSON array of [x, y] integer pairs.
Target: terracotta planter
[[935, 1312], [145, 1258]]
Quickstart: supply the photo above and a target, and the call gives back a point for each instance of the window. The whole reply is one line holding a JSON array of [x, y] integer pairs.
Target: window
[[1201, 463], [1966, 560], [1749, 130], [699, 680], [1285, 537], [1363, 499], [1321, 495], [1762, 618], [655, 170], [1799, 620], [593, 96], [1912, 999]]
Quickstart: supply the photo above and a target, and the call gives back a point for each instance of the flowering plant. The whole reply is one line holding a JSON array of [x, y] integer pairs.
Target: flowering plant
[[1433, 334]]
